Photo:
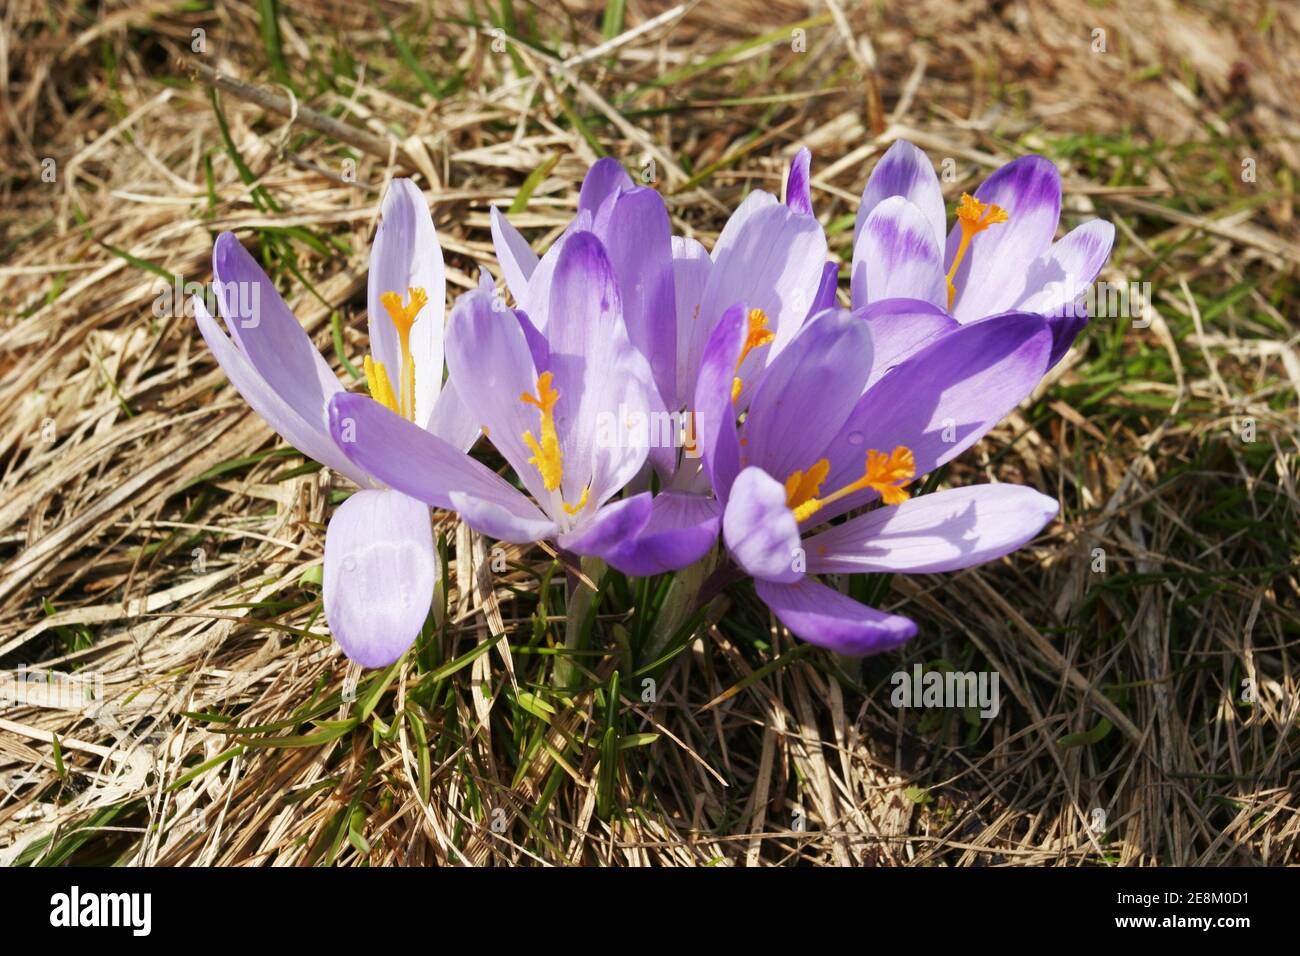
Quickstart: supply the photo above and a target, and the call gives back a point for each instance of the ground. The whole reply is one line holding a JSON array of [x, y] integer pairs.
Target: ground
[[162, 548]]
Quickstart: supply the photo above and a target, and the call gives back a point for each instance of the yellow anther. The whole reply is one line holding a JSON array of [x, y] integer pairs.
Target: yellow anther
[[403, 317], [381, 389], [582, 502], [887, 474], [974, 217], [546, 453], [759, 334]]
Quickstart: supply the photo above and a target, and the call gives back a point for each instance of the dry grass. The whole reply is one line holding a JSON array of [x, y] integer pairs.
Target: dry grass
[[157, 536]]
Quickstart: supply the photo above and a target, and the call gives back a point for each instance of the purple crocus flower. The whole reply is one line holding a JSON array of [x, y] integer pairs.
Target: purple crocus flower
[[565, 404], [674, 292], [1000, 256], [380, 564], [843, 419]]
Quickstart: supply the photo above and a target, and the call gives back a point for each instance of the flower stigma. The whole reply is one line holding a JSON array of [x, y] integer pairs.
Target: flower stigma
[[887, 474], [759, 334], [974, 217]]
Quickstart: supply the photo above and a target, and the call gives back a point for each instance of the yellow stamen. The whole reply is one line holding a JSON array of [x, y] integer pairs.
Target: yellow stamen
[[546, 454], [759, 334], [974, 217], [582, 502], [887, 474], [381, 389], [403, 317]]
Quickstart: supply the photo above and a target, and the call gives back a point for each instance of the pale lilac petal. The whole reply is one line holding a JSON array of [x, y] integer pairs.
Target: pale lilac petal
[[680, 530], [494, 519], [897, 257], [760, 531], [691, 267], [405, 255], [943, 531], [991, 278], [798, 186], [492, 366], [380, 568], [633, 226], [899, 329], [1058, 283], [606, 176], [268, 335], [411, 460], [904, 171], [516, 257], [452, 421], [774, 263], [309, 436], [604, 384], [807, 393], [942, 400], [715, 416], [819, 615]]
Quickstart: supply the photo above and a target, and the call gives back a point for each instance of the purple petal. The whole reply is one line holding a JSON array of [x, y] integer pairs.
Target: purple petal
[[1059, 281], [897, 257], [941, 400], [991, 278], [944, 531], [825, 297], [536, 300], [606, 176], [815, 613], [406, 255], [409, 459], [715, 416], [798, 186], [899, 329], [691, 268], [807, 393], [610, 527], [637, 236], [267, 333], [517, 259], [904, 171], [492, 366], [680, 529], [498, 521], [309, 436], [380, 569], [760, 531], [604, 383]]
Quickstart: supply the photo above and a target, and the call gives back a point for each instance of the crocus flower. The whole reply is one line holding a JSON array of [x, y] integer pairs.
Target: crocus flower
[[840, 421], [563, 404], [999, 257], [380, 563], [674, 292]]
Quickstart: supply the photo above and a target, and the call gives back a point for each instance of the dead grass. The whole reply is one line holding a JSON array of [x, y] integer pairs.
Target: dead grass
[[157, 537]]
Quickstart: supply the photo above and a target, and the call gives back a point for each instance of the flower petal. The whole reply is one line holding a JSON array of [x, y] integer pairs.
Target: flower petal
[[904, 171], [380, 569], [826, 289], [309, 436], [605, 177], [896, 256], [760, 531], [899, 329], [498, 521], [943, 531], [798, 185], [413, 461], [991, 278], [609, 527], [517, 259], [679, 530], [942, 400], [714, 415], [452, 420], [807, 393], [636, 234], [1059, 281], [819, 615], [406, 255], [268, 335], [691, 267]]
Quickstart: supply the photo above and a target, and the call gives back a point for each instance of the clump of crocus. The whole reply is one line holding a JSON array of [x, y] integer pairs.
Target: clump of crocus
[[380, 563], [839, 423]]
